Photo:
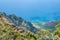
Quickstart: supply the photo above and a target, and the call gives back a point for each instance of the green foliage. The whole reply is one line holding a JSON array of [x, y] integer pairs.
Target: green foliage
[[8, 33], [56, 33], [57, 26], [44, 35]]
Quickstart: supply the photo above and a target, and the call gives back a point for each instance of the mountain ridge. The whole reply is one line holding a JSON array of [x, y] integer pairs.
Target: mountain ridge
[[31, 26], [18, 21]]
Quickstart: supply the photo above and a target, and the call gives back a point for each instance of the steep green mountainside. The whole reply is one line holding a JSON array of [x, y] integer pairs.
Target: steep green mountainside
[[18, 21], [33, 27], [9, 31]]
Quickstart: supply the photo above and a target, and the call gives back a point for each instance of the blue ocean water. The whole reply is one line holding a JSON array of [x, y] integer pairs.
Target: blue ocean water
[[32, 10]]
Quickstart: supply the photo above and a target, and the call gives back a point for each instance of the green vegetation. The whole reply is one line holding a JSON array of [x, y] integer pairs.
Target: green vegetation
[[9, 33]]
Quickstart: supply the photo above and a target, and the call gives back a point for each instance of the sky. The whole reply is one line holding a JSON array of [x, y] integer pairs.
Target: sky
[[32, 10]]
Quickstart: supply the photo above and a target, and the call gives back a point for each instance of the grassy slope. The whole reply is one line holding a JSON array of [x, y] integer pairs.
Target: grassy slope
[[8, 33]]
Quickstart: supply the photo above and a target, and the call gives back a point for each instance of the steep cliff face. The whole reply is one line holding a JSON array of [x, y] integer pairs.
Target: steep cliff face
[[18, 21]]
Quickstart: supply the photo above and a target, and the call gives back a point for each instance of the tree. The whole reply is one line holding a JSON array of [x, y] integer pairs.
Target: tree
[[56, 34], [57, 26], [44, 35]]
